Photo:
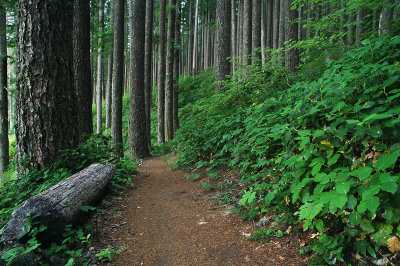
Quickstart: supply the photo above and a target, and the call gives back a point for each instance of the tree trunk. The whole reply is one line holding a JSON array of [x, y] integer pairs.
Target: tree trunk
[[360, 26], [169, 88], [4, 157], [350, 30], [176, 69], [148, 79], [100, 70], [82, 66], [118, 77], [223, 42], [109, 73], [256, 29], [161, 74], [137, 128], [281, 38], [247, 40], [61, 204], [46, 102], [293, 55], [195, 40], [384, 20], [233, 35], [275, 33]]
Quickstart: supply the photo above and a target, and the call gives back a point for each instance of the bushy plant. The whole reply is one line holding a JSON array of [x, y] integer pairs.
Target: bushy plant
[[329, 145]]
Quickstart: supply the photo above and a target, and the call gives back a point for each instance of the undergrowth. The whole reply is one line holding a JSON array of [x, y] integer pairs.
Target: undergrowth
[[14, 190], [327, 145]]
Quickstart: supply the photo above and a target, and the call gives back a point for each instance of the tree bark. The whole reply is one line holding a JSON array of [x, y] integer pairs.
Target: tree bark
[[61, 204], [282, 16], [247, 31], [137, 128], [100, 70], [161, 74], [169, 88], [118, 77], [4, 157], [109, 73], [82, 66], [293, 55], [195, 40], [256, 29], [176, 69], [223, 42], [360, 26], [384, 20], [275, 33], [233, 34], [46, 101], [148, 79]]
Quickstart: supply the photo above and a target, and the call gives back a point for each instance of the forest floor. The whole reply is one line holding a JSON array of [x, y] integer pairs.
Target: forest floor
[[167, 219]]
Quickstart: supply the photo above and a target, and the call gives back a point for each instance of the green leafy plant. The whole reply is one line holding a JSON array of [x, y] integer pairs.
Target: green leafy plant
[[107, 254]]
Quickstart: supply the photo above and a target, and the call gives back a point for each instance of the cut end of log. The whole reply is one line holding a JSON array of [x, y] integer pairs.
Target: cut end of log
[[61, 204]]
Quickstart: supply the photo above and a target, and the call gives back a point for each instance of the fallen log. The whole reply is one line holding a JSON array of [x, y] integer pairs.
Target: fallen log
[[61, 204]]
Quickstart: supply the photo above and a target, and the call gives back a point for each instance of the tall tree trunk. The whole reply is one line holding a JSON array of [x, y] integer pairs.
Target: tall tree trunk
[[137, 126], [46, 102], [148, 79], [109, 74], [118, 77], [270, 21], [169, 88], [223, 44], [100, 70], [161, 74], [360, 26], [350, 30], [281, 38], [256, 29], [293, 55], [275, 34], [247, 40], [176, 68], [384, 20], [4, 157], [240, 27], [190, 39], [233, 36], [82, 66], [195, 40]]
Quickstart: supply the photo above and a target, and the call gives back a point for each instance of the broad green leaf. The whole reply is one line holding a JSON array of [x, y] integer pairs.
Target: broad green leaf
[[309, 211], [339, 201], [319, 224], [352, 121], [343, 187], [333, 160], [316, 169], [387, 161], [375, 132], [362, 207], [372, 203], [318, 133], [388, 183], [351, 203], [362, 173], [367, 226], [304, 133], [355, 218]]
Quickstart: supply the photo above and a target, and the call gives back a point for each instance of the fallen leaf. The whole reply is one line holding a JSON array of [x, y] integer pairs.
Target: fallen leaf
[[288, 230], [393, 244]]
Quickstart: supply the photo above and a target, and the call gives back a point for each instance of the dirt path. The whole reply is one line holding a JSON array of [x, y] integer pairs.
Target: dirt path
[[170, 220]]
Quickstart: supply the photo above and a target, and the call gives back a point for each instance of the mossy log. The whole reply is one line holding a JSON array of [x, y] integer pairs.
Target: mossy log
[[61, 204]]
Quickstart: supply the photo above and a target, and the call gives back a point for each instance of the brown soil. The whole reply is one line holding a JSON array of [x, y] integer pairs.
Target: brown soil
[[169, 220]]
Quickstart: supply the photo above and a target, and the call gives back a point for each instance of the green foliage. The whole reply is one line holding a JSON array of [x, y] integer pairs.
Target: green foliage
[[107, 254], [327, 144]]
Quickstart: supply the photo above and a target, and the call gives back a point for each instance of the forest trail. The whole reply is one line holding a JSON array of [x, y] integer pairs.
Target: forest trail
[[169, 220]]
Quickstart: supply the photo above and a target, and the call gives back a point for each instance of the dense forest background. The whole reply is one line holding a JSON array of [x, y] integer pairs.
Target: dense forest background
[[301, 97]]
